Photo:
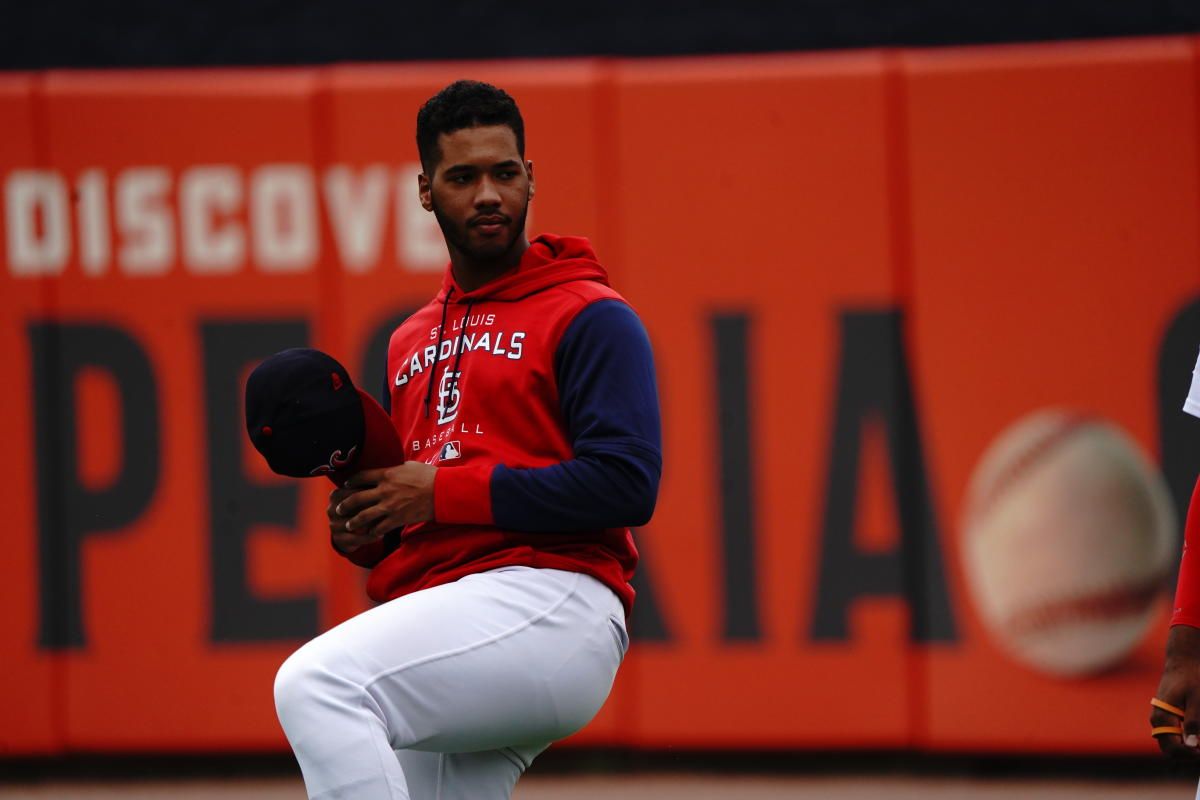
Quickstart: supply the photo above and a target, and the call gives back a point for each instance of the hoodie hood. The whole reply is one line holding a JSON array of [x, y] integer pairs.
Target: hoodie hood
[[550, 260]]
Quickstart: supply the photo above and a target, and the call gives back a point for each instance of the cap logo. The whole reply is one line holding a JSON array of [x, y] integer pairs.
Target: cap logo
[[336, 461], [337, 380]]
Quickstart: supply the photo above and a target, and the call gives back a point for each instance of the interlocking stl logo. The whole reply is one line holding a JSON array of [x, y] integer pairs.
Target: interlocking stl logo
[[448, 396]]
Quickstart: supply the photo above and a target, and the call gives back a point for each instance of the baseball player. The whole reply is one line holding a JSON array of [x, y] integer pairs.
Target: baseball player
[[1175, 708], [525, 402]]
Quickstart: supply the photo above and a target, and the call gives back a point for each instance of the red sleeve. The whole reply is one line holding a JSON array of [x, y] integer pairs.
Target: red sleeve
[[463, 495], [1187, 591]]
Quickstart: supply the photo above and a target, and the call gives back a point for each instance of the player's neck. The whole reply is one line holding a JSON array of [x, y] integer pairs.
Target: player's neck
[[471, 274]]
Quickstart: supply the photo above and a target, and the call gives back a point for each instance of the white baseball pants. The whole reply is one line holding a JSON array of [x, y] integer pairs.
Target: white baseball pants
[[450, 692]]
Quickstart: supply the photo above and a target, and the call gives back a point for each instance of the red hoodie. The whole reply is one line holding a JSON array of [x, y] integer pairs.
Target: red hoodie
[[473, 385]]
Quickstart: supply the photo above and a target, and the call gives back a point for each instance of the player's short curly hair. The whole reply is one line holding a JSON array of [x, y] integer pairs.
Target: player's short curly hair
[[464, 104]]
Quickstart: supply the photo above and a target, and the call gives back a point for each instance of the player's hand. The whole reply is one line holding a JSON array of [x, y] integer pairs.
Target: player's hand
[[385, 499], [347, 541], [1180, 686]]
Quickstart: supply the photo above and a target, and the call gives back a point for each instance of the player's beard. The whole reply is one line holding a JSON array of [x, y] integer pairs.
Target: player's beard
[[458, 236]]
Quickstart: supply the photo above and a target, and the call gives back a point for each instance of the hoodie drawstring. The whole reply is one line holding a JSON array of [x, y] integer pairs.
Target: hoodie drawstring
[[452, 384], [438, 351], [462, 338]]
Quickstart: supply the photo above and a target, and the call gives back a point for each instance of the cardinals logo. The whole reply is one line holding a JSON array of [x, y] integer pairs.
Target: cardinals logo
[[336, 461], [448, 396]]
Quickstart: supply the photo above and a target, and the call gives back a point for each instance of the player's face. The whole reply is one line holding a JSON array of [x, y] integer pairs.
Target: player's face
[[480, 192]]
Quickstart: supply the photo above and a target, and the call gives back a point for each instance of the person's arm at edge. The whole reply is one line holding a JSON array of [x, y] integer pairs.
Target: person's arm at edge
[[1180, 681]]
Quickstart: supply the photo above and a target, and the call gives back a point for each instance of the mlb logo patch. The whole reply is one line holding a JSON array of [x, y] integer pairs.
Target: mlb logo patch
[[450, 450]]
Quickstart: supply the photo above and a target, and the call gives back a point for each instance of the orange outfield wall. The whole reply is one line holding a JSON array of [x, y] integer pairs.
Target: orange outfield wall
[[943, 240]]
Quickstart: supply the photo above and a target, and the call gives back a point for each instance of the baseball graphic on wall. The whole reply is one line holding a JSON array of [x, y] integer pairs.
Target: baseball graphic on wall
[[1068, 534]]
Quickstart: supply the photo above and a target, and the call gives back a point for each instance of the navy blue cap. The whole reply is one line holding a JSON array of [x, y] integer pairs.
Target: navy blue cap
[[306, 417]]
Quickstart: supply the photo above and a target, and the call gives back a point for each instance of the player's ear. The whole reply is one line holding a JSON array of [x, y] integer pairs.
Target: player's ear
[[425, 191], [529, 172]]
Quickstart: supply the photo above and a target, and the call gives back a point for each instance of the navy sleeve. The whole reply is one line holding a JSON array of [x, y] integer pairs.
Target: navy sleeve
[[609, 399]]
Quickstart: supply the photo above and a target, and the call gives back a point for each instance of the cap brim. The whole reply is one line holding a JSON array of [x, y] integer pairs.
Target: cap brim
[[381, 445]]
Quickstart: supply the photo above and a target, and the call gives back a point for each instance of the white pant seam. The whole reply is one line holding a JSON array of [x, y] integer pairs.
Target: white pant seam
[[383, 767], [513, 756], [476, 645]]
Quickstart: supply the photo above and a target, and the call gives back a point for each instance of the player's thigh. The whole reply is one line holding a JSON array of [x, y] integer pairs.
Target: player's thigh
[[511, 656], [543, 676]]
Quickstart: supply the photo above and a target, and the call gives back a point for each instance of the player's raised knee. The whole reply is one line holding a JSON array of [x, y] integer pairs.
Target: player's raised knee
[[304, 689], [290, 689]]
